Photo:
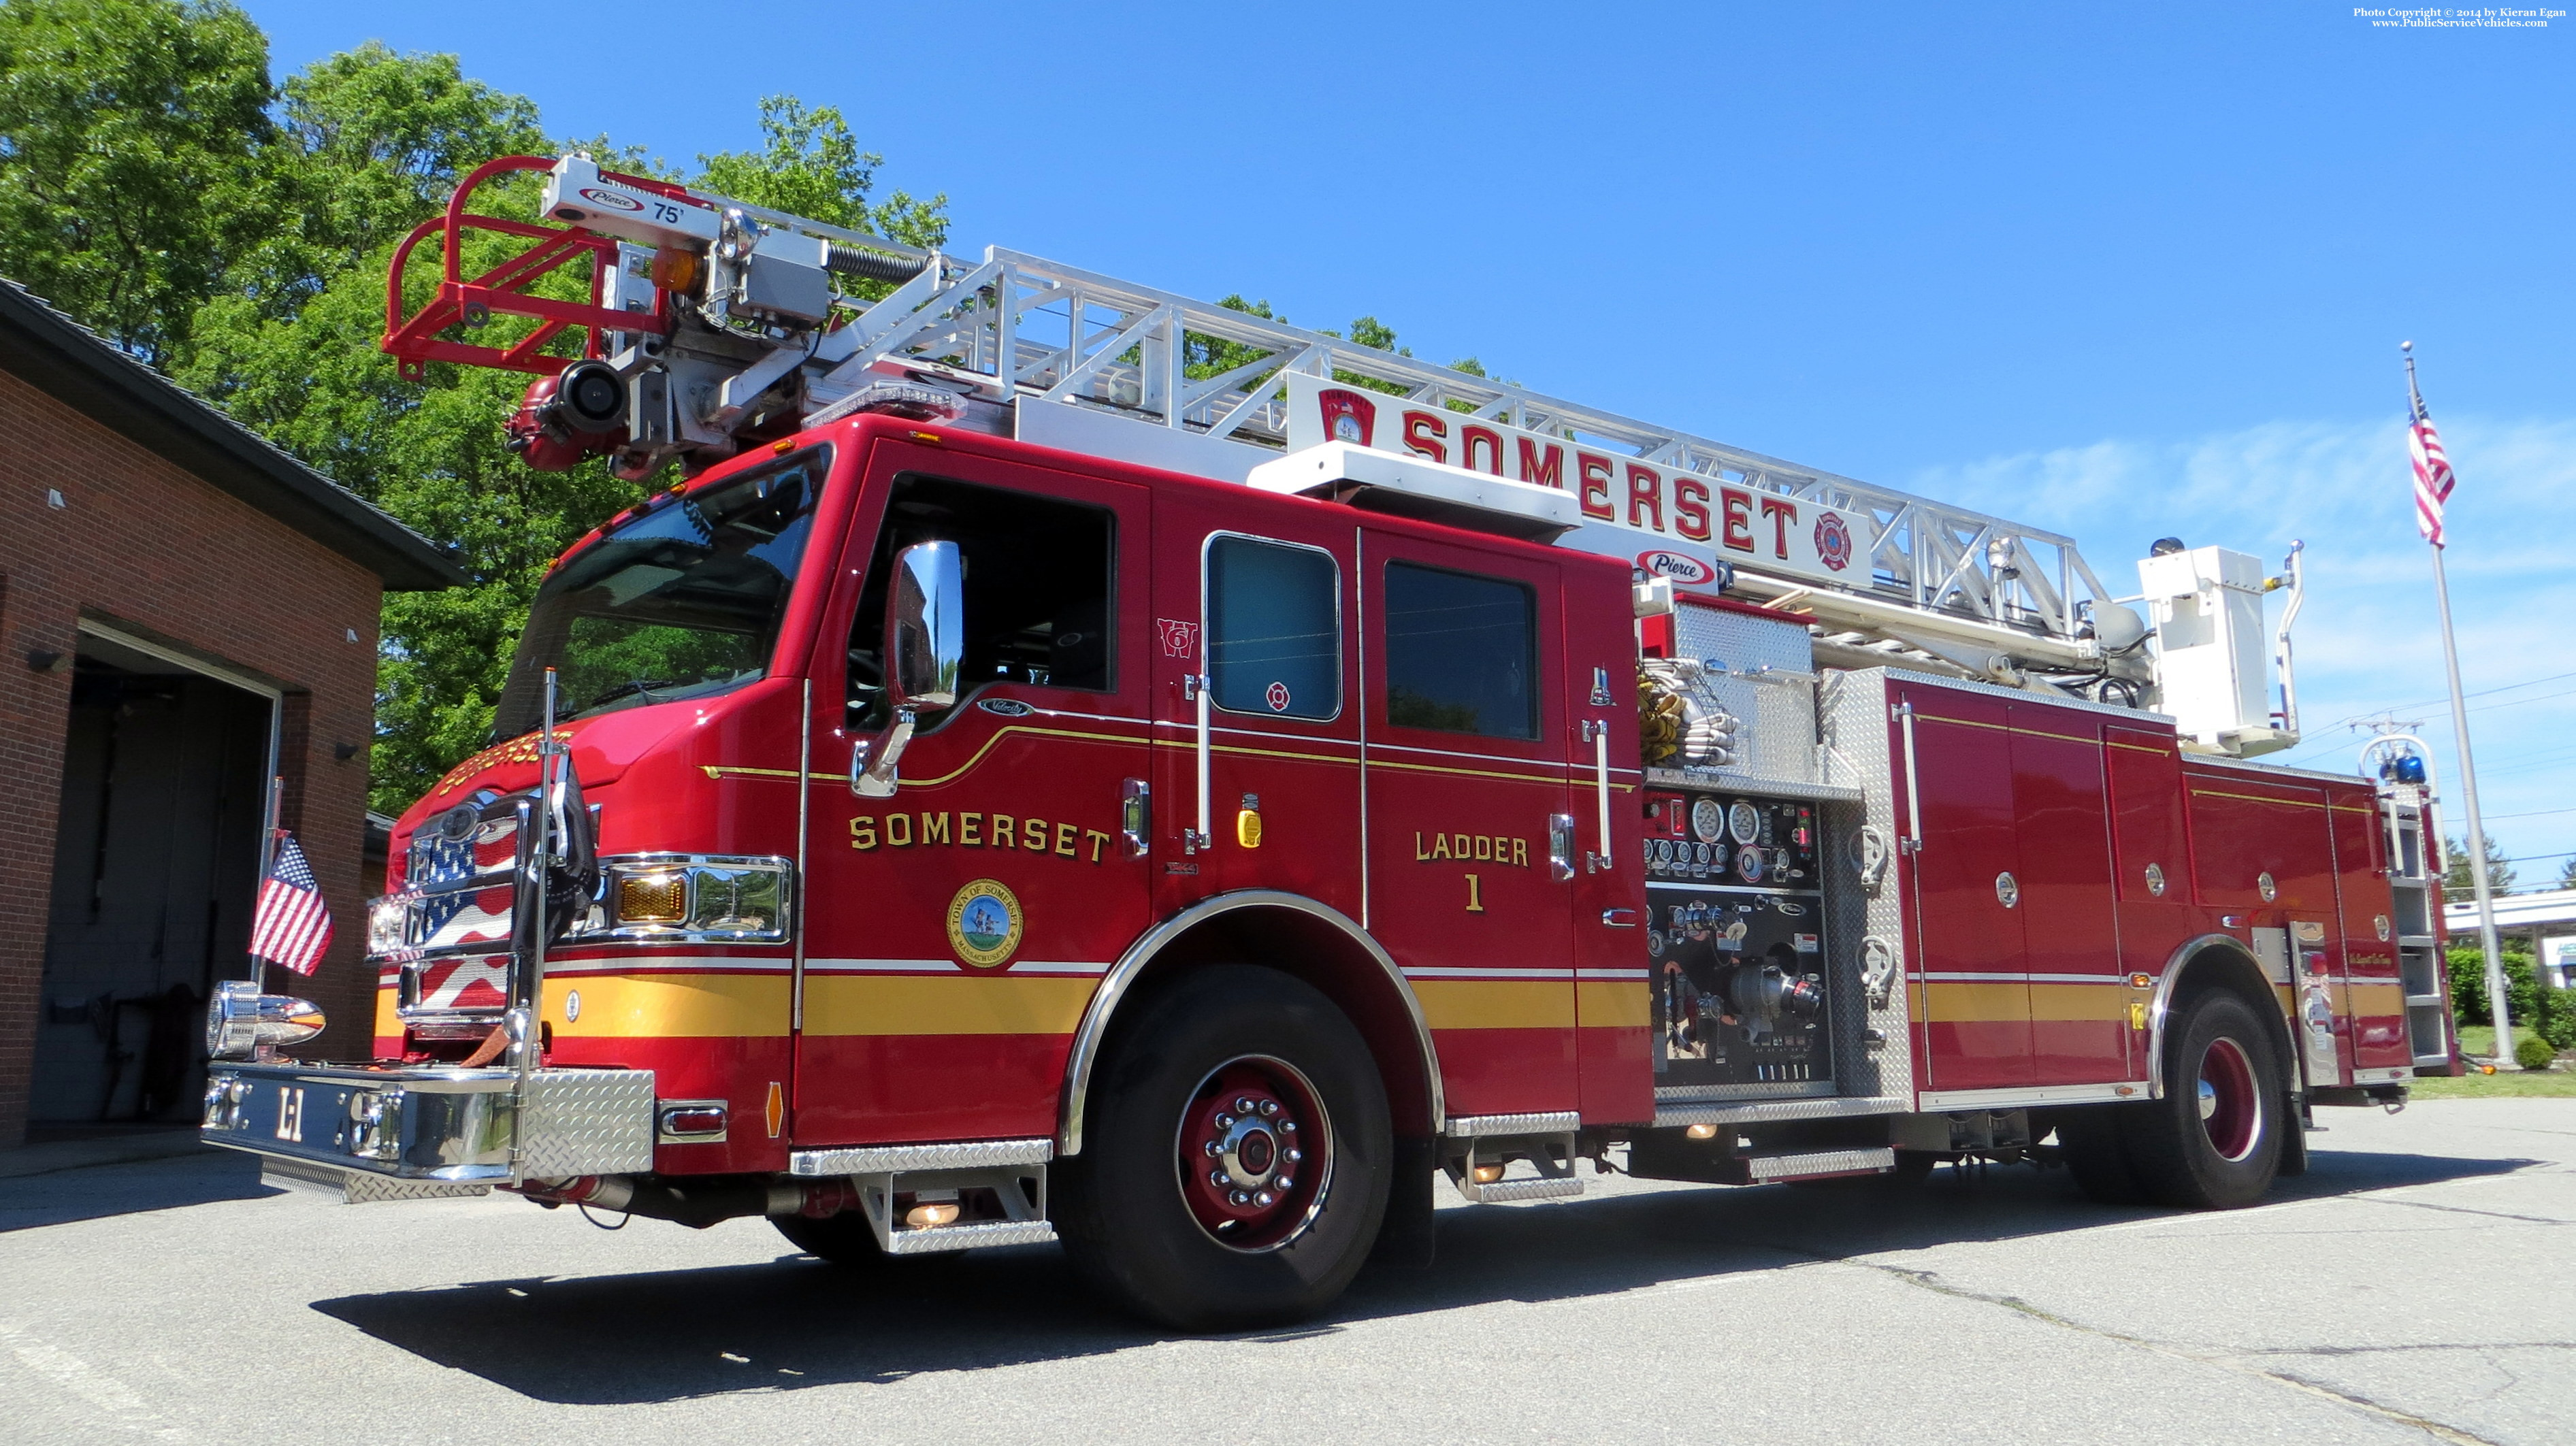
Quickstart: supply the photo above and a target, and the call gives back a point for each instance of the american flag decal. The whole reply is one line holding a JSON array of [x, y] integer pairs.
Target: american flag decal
[[292, 926], [2433, 479]]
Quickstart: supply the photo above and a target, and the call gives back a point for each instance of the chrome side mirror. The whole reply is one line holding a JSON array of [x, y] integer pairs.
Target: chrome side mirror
[[924, 649], [926, 626]]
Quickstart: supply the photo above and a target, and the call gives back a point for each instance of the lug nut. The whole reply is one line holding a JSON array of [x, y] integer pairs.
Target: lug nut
[[1238, 1198], [1225, 1122], [1262, 1199], [1283, 1184], [1215, 1148], [1243, 1104], [1269, 1108], [1287, 1127], [1217, 1178], [1294, 1157]]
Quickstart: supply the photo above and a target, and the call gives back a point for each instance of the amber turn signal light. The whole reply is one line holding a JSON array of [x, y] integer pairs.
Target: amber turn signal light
[[654, 898]]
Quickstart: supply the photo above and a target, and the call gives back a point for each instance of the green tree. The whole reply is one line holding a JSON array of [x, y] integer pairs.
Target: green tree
[[810, 165], [2459, 880], [2567, 873], [133, 168]]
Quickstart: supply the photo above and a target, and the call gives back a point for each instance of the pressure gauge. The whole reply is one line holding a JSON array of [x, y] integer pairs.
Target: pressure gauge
[[1748, 862], [1708, 820], [1745, 822]]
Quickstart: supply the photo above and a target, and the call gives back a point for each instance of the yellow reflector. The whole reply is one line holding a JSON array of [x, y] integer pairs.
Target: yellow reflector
[[660, 898]]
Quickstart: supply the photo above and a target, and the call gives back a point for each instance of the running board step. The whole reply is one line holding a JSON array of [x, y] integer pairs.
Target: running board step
[[1764, 1169], [1479, 1164]]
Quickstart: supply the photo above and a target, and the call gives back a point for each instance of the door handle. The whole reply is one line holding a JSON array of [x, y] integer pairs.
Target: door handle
[[1560, 845], [1599, 732], [1136, 816], [1619, 918], [876, 779], [1203, 837]]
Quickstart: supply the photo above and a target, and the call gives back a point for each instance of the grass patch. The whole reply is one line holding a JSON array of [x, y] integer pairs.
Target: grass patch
[[2502, 1085]]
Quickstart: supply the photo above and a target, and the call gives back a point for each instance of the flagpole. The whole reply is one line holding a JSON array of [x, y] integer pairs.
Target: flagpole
[[2496, 1001], [272, 817]]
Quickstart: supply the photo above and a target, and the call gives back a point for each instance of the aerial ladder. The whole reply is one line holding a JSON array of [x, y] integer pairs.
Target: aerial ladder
[[707, 325]]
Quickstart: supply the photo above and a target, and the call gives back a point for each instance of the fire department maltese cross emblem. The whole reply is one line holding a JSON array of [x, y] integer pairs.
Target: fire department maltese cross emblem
[[984, 924]]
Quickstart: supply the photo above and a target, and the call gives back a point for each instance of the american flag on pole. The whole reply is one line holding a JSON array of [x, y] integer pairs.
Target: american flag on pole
[[291, 927], [2433, 479]]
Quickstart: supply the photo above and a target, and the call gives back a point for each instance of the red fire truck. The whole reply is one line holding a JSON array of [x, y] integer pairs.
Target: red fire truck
[[1071, 763]]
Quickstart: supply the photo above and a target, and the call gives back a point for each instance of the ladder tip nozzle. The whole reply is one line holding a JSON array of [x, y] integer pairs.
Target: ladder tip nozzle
[[2406, 346]]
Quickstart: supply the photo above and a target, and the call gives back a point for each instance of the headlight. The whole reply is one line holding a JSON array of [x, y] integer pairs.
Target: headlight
[[386, 918], [678, 898]]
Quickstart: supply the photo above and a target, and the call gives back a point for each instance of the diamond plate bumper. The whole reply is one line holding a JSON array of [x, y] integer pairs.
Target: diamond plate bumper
[[451, 1126]]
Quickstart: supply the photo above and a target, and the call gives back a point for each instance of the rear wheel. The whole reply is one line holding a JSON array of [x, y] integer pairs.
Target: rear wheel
[[1235, 1158], [2214, 1141]]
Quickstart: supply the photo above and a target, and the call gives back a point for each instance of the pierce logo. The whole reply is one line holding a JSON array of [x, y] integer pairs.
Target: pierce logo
[[1833, 541], [1679, 566], [613, 200]]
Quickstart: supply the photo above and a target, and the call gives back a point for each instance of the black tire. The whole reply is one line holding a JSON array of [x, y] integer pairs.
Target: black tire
[[847, 1242], [845, 1239], [2092, 1139], [2221, 1157], [1139, 1229]]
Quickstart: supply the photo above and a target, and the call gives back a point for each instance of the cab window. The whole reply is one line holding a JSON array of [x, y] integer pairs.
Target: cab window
[[1040, 573], [1274, 629], [1461, 652]]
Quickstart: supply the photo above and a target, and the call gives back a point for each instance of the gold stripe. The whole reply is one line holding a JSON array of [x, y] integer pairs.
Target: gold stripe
[[1559, 779], [2260, 798], [2377, 999], [1984, 1003], [720, 770], [905, 1004], [2068, 1003], [388, 1023], [1496, 1003], [671, 1006], [2139, 748], [1603, 1004]]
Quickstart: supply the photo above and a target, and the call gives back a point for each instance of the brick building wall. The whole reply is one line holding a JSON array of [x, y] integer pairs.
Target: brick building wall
[[153, 550]]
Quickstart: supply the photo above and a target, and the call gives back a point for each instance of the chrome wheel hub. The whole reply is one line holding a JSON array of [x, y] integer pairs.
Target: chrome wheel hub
[[1254, 1154]]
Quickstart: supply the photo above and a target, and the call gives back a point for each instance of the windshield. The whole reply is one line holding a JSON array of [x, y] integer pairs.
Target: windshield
[[683, 601]]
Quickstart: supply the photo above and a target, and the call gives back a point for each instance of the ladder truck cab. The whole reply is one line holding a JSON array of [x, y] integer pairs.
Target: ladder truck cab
[[1018, 785]]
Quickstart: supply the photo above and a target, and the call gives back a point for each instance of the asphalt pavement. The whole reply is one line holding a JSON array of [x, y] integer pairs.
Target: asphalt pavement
[[2418, 1284]]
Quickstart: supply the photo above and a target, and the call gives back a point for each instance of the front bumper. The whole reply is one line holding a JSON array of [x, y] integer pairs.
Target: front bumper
[[394, 1132]]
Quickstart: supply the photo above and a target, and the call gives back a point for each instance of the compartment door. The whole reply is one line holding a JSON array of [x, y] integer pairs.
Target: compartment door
[[2061, 806], [1970, 974]]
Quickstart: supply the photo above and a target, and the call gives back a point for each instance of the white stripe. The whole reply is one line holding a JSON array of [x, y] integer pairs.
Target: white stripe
[[1430, 971], [949, 966], [1970, 977], [1614, 974], [700, 963]]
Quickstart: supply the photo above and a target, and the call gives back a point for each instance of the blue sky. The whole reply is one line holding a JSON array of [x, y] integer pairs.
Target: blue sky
[[2122, 271]]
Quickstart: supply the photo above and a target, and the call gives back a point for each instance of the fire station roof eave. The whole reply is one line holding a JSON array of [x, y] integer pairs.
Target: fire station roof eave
[[58, 356]]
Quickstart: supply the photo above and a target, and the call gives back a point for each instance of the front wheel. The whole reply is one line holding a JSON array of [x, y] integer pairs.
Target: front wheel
[[2214, 1141], [1236, 1155]]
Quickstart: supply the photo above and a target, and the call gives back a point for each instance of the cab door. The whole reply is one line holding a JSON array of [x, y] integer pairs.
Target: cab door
[[956, 929], [1468, 739], [1260, 615]]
